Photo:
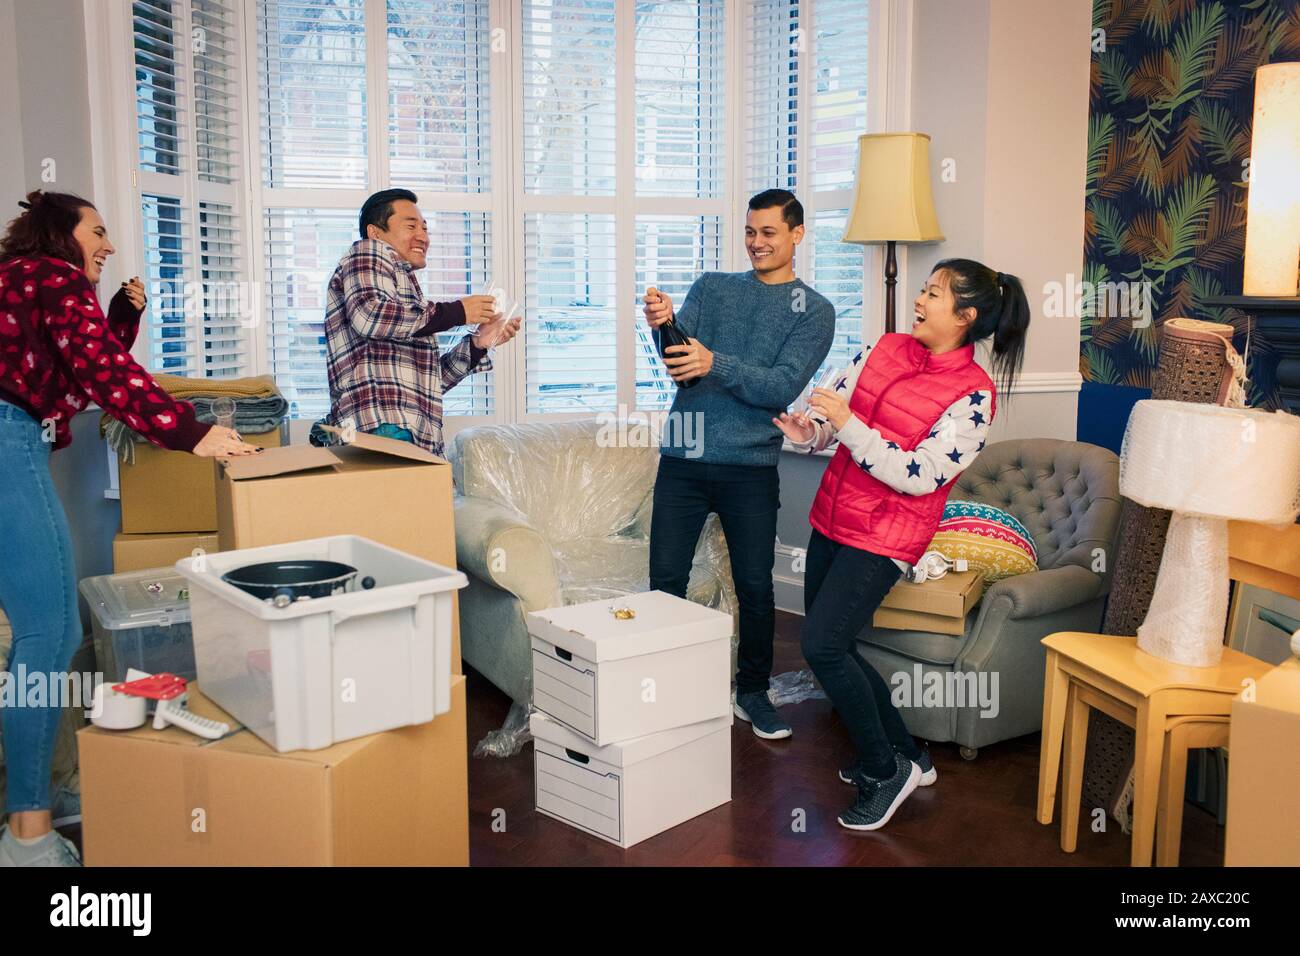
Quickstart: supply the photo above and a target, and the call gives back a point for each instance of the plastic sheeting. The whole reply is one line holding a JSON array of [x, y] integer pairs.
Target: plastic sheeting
[[587, 487], [794, 687]]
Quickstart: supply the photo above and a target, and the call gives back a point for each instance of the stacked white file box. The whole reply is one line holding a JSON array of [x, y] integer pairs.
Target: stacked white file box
[[633, 734]]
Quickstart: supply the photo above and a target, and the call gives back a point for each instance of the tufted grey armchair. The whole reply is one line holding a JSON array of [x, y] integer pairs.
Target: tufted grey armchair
[[1067, 495]]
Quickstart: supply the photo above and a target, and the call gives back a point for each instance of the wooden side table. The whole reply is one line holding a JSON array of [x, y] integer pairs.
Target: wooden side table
[[1185, 733], [1086, 671]]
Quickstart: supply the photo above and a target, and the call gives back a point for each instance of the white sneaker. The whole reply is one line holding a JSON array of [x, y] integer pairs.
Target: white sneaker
[[53, 849]]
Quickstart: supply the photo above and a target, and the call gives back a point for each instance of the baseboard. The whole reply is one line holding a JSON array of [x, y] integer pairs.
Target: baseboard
[[786, 583]]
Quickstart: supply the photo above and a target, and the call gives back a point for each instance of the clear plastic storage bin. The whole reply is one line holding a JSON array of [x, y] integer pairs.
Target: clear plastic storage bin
[[326, 669], [141, 619]]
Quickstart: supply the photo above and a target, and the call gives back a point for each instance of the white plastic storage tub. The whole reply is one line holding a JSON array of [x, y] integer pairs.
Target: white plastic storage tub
[[140, 619], [629, 791], [326, 669], [611, 679]]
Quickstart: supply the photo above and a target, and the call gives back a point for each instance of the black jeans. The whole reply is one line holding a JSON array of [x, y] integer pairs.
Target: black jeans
[[745, 499], [842, 588]]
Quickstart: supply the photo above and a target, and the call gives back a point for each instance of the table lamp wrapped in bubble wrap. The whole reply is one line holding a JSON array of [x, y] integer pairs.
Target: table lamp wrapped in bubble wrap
[[1207, 464]]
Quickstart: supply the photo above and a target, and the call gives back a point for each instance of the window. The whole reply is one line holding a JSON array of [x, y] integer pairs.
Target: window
[[806, 78], [600, 221], [188, 185], [327, 142], [571, 152]]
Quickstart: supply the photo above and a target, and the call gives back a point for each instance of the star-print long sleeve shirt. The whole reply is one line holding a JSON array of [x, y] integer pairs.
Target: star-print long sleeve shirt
[[954, 440]]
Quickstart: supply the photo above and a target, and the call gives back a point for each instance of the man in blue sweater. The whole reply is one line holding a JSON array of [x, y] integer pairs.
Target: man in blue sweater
[[756, 338]]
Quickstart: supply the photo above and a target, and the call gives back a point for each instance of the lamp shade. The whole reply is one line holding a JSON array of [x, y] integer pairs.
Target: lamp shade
[[1273, 203], [1210, 461], [892, 201]]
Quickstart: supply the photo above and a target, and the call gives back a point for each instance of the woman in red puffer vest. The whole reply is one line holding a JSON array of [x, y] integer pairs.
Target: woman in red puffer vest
[[909, 414]]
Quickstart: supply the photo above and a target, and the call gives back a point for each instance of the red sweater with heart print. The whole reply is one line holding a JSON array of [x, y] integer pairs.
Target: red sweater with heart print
[[59, 353]]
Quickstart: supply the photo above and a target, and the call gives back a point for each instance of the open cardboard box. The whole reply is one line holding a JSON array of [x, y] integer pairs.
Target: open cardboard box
[[168, 798], [383, 489]]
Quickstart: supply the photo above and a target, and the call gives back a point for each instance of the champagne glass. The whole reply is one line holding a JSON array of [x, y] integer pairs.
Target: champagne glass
[[828, 379], [223, 409]]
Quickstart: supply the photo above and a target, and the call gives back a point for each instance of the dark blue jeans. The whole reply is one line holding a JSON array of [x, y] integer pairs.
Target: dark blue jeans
[[38, 590], [745, 499], [842, 588]]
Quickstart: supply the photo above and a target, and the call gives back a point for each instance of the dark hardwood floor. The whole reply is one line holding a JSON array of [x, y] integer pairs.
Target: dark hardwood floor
[[978, 813]]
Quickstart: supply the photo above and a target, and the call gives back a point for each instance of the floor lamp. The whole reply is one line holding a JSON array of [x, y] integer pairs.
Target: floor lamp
[[892, 202]]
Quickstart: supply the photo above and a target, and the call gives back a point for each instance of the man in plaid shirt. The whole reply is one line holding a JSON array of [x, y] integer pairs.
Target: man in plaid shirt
[[386, 373]]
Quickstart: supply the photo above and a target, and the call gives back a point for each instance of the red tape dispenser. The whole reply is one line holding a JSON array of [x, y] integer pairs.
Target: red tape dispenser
[[165, 688], [155, 687]]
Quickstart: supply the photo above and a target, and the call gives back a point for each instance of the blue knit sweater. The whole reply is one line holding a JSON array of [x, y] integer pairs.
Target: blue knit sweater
[[767, 342]]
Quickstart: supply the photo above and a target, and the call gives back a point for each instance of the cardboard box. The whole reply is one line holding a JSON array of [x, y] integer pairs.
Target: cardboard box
[[608, 679], [169, 798], [629, 791], [386, 490], [1263, 774], [173, 491], [139, 552], [939, 606]]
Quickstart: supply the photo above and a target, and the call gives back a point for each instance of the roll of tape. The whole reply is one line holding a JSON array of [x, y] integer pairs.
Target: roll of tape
[[114, 711]]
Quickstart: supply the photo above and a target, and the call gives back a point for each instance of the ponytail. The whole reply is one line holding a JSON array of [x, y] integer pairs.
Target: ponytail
[[1001, 311]]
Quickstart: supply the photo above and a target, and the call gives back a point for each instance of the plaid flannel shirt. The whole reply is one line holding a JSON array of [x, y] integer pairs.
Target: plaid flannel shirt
[[384, 364]]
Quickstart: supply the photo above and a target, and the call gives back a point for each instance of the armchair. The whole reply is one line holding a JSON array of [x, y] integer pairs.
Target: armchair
[[1067, 495]]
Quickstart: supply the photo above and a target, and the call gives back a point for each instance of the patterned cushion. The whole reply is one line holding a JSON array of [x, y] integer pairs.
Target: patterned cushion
[[992, 540]]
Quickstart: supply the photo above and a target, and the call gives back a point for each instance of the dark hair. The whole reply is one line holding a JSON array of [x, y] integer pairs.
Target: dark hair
[[378, 209], [1001, 310], [791, 208], [45, 227]]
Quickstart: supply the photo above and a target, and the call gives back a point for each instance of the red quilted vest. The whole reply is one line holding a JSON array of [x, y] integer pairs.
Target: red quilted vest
[[901, 392]]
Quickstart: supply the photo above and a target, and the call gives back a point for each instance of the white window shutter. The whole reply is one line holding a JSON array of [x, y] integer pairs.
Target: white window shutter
[[312, 76], [570, 299], [772, 51], [671, 253], [568, 88], [439, 118], [302, 248], [680, 81], [839, 102]]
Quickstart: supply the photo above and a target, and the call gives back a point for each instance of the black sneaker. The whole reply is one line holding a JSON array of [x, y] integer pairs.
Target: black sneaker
[[755, 708], [878, 799], [853, 773]]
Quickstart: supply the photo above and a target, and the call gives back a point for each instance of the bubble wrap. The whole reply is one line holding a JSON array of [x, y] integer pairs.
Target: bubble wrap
[[1189, 607]]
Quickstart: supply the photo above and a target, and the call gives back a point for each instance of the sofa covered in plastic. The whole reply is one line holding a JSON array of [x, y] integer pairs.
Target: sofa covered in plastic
[[558, 513]]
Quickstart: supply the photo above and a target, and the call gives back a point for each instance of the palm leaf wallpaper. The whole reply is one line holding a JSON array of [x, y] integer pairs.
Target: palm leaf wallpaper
[[1172, 94]]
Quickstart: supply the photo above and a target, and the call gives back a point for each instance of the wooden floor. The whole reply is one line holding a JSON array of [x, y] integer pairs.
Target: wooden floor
[[978, 813]]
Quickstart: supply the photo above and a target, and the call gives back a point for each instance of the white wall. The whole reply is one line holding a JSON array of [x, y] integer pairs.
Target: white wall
[[11, 119], [1001, 86], [44, 96], [51, 66]]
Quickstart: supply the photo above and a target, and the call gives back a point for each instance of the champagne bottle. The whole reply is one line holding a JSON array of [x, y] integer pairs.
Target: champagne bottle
[[670, 334]]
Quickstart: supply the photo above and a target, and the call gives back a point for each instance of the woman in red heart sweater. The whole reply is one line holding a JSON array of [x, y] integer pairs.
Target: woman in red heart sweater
[[59, 353], [909, 414]]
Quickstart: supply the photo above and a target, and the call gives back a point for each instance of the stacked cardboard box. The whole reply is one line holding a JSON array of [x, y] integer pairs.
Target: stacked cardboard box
[[169, 798], [169, 505], [939, 606]]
